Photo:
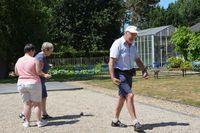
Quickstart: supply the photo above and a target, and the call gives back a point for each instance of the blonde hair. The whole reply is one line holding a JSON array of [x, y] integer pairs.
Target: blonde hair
[[47, 46]]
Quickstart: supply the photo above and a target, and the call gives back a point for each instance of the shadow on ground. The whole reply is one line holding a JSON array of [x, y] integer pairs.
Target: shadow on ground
[[162, 124], [66, 119]]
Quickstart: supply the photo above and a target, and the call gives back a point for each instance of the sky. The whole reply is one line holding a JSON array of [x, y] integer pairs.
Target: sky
[[165, 3]]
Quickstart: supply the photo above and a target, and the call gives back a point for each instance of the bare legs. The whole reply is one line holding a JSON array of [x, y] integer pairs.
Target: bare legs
[[27, 110], [129, 104]]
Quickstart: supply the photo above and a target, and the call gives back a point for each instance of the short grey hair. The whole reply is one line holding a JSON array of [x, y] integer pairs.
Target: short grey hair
[[47, 46]]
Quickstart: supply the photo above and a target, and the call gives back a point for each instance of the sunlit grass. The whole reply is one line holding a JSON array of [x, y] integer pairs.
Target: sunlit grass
[[180, 89]]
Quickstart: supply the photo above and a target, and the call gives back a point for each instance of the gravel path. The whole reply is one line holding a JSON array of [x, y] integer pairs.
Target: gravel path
[[167, 105], [97, 107]]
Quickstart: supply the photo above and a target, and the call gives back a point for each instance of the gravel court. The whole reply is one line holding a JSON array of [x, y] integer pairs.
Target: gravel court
[[65, 107]]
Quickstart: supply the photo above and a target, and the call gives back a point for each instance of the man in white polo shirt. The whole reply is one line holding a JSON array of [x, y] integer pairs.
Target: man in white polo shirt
[[123, 54]]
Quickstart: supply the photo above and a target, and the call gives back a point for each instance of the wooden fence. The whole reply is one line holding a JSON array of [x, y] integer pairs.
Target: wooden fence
[[78, 61]]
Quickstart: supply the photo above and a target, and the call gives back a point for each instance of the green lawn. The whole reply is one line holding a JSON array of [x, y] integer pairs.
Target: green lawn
[[180, 89]]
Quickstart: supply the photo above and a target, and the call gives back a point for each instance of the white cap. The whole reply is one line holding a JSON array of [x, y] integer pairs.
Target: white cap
[[131, 29]]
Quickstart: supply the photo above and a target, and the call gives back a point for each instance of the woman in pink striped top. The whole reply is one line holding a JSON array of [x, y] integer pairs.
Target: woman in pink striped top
[[29, 85]]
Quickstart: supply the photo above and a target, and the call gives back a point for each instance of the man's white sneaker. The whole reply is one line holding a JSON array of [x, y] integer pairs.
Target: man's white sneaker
[[26, 124], [42, 123]]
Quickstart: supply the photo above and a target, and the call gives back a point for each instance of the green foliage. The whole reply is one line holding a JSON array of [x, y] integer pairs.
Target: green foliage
[[181, 40], [86, 25], [174, 62], [21, 22], [186, 65], [69, 71], [183, 13], [179, 63], [76, 27], [194, 47], [187, 43], [189, 12], [139, 10], [66, 52], [156, 17], [180, 13], [4, 30]]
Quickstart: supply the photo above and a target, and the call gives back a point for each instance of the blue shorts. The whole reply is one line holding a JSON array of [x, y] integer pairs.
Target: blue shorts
[[44, 90], [125, 82]]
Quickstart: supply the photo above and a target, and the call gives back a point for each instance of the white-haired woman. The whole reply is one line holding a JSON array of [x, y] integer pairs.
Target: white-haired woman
[[46, 50]]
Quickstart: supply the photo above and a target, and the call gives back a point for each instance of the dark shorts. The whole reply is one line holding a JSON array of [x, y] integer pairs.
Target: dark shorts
[[44, 90], [126, 82]]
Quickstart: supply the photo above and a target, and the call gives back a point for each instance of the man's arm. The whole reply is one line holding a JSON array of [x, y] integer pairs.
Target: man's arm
[[111, 71], [142, 67]]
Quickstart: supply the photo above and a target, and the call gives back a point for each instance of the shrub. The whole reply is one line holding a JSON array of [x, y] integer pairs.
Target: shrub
[[174, 62], [186, 65], [69, 71]]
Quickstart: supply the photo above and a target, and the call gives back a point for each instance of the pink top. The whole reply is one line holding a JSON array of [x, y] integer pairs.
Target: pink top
[[26, 69]]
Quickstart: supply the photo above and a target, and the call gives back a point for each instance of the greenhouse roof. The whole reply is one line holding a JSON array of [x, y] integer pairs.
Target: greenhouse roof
[[195, 28], [152, 31]]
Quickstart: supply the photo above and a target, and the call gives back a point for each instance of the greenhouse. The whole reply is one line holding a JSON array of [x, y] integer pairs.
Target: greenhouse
[[154, 45]]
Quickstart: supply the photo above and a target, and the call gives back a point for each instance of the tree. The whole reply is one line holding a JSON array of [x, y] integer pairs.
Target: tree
[[139, 10], [181, 40], [189, 11], [4, 37], [183, 13], [187, 43], [22, 21], [156, 17], [194, 47], [4, 30], [86, 25], [27, 23], [180, 13]]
